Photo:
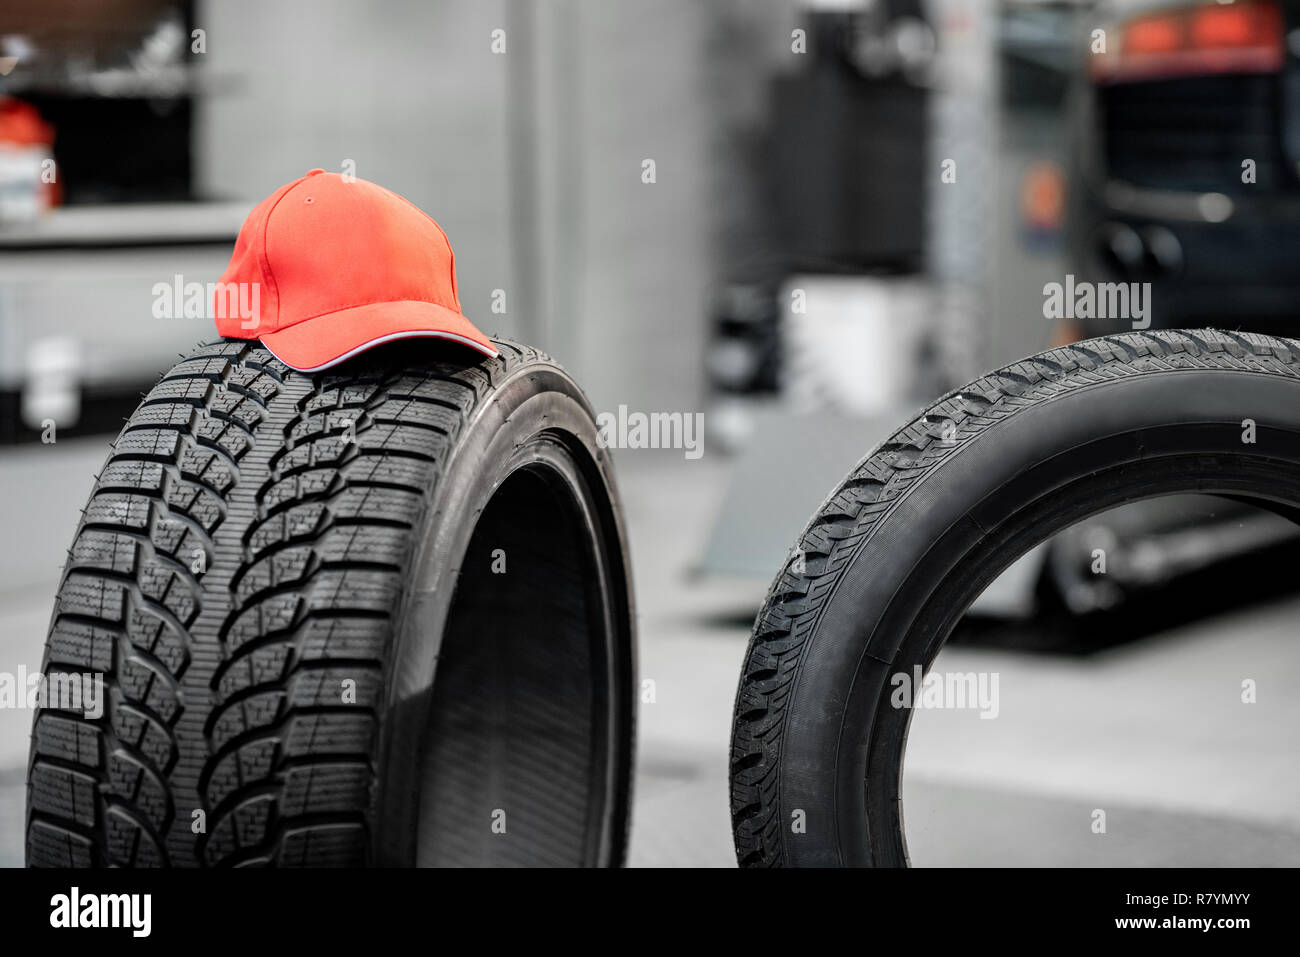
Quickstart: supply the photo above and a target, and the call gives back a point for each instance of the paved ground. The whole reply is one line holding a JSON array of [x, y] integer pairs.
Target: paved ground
[[1153, 733]]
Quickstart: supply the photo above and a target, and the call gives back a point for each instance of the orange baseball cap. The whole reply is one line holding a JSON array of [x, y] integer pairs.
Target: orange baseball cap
[[337, 266]]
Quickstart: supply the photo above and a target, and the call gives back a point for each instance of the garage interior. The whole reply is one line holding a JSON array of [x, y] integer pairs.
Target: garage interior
[[738, 208]]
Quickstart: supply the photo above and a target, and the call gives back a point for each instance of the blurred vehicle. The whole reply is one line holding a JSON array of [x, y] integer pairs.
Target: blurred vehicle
[[1186, 136], [1183, 172]]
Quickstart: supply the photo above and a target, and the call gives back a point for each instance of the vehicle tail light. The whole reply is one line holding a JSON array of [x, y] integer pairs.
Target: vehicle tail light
[[1150, 35], [1241, 37]]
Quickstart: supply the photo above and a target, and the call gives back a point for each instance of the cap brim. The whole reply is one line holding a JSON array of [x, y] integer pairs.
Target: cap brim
[[323, 341]]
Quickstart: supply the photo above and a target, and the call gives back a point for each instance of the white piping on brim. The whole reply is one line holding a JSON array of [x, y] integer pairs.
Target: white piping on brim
[[428, 334]]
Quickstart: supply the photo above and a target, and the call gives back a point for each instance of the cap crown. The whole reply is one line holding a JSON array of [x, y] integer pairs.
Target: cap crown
[[324, 244]]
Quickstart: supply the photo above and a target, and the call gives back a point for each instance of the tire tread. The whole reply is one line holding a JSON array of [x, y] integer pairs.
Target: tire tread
[[223, 676]]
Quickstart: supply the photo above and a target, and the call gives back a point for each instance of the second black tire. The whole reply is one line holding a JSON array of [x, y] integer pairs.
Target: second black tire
[[930, 518], [378, 615]]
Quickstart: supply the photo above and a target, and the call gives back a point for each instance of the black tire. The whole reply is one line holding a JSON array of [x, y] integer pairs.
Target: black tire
[[269, 567], [925, 522]]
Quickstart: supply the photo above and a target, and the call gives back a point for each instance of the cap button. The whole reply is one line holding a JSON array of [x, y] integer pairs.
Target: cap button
[[314, 172]]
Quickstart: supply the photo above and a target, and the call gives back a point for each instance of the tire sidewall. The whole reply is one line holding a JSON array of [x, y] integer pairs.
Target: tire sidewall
[[537, 405]]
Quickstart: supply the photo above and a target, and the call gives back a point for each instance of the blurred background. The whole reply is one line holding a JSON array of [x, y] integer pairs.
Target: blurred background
[[802, 220]]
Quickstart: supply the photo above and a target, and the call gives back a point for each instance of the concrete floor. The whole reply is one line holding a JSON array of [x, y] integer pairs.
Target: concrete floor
[[1153, 733]]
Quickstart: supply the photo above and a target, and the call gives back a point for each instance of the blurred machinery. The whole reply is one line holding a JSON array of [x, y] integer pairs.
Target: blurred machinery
[[96, 107], [858, 307], [845, 133]]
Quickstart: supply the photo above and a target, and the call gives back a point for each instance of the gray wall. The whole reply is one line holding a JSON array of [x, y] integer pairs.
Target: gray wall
[[408, 90], [531, 161]]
